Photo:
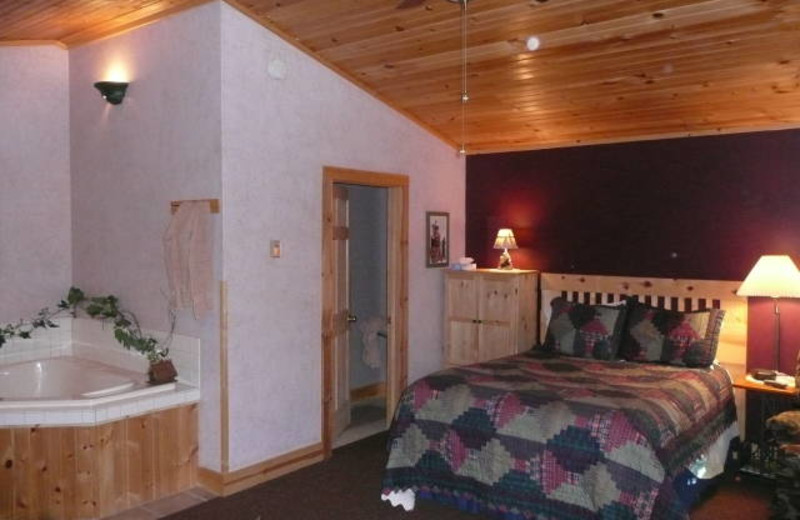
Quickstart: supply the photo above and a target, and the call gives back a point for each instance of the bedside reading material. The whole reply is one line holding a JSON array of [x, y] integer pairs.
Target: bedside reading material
[[778, 380], [763, 374]]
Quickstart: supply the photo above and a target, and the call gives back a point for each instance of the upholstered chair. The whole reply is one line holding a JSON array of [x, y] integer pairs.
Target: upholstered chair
[[785, 431]]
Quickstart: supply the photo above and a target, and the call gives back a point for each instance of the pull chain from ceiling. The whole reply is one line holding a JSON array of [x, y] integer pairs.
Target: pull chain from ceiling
[[464, 91]]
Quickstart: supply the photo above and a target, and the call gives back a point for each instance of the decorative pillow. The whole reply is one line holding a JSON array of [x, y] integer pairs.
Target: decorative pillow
[[581, 330], [678, 338]]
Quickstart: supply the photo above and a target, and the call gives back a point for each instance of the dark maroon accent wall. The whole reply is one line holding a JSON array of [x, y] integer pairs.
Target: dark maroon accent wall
[[703, 207], [761, 333]]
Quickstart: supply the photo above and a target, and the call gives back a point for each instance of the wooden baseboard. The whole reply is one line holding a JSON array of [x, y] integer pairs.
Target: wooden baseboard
[[211, 480], [225, 484], [365, 392]]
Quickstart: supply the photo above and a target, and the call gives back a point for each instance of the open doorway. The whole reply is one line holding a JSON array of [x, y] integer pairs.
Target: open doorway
[[367, 331], [364, 309]]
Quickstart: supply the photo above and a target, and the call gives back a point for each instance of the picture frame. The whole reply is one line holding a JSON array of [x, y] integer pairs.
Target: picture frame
[[437, 239]]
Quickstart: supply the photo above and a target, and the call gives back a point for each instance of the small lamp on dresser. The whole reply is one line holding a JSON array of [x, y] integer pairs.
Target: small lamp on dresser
[[774, 276], [505, 240]]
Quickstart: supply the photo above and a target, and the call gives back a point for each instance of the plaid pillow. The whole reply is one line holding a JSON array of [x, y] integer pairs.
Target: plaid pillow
[[581, 330], [677, 338]]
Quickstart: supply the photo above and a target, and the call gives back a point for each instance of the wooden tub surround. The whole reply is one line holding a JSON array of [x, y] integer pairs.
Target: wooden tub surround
[[96, 471]]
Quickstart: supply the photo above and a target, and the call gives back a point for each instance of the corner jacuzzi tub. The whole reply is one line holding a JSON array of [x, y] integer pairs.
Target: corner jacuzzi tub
[[91, 422], [72, 391], [64, 378]]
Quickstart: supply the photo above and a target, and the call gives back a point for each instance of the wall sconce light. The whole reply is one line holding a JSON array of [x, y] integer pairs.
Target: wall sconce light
[[505, 240], [112, 91]]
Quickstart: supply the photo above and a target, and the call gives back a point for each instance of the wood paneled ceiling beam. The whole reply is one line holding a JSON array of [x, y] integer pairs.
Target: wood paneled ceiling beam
[[607, 70]]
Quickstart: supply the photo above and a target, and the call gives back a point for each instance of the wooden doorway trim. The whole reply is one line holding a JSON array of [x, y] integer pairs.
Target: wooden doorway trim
[[396, 287]]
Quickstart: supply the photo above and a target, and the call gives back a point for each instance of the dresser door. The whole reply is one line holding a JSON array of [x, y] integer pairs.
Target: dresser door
[[463, 345], [498, 302], [462, 319]]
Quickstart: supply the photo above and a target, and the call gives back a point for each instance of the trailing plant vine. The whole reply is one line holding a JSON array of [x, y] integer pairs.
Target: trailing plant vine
[[127, 330]]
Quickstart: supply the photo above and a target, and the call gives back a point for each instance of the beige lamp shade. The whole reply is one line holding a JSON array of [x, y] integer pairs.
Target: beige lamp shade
[[505, 239], [775, 276]]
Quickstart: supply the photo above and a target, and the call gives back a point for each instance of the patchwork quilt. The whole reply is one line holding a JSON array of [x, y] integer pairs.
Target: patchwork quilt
[[537, 437]]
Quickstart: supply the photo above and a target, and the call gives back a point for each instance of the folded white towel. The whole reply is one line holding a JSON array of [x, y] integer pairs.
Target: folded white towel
[[370, 327]]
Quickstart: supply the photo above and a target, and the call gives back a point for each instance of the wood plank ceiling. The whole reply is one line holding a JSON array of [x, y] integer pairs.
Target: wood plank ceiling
[[607, 70]]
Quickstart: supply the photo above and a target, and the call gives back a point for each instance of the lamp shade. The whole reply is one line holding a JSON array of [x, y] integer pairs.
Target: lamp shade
[[775, 276], [505, 239]]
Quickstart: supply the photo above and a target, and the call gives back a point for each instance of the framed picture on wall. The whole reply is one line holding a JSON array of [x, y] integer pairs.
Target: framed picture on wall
[[437, 235]]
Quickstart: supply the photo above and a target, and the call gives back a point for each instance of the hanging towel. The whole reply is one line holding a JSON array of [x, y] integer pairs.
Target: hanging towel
[[188, 257], [369, 328]]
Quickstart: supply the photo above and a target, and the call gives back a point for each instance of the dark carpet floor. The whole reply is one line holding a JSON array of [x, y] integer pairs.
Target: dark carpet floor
[[347, 487], [366, 413]]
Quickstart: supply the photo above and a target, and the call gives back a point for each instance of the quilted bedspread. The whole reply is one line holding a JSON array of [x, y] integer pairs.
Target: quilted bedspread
[[557, 438]]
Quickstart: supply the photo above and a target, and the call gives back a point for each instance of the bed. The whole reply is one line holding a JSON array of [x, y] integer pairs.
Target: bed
[[547, 435]]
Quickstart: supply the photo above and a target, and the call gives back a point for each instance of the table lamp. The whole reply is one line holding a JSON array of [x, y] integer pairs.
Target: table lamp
[[505, 241], [775, 276]]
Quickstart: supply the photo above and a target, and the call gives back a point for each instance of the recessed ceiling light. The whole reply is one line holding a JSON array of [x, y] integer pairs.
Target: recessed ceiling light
[[532, 43]]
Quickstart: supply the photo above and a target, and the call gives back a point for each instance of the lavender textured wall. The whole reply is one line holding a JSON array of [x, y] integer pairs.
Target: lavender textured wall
[[35, 234], [717, 203], [277, 136], [202, 119], [129, 161]]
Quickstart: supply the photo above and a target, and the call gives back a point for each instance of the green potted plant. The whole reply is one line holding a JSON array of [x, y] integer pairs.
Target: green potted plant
[[127, 330]]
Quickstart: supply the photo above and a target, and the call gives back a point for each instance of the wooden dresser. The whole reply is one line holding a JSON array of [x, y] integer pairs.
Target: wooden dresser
[[489, 313]]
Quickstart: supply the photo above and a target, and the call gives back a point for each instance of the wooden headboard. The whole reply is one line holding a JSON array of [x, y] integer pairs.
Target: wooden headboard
[[681, 295]]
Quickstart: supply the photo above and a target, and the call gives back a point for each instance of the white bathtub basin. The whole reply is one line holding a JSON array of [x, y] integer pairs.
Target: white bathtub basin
[[78, 376], [75, 391], [65, 378]]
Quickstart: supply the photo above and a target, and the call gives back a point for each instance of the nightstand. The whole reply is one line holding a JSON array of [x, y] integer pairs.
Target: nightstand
[[758, 451]]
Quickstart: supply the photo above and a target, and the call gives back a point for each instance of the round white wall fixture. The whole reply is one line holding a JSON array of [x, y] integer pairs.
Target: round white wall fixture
[[277, 69], [532, 43]]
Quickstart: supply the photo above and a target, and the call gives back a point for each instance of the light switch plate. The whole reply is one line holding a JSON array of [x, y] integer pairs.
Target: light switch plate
[[275, 248]]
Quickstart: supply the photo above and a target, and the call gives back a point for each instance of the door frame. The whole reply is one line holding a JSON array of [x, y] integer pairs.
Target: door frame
[[396, 286]]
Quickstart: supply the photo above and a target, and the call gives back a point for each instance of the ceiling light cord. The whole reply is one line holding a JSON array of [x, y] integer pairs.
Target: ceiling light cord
[[464, 98]]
